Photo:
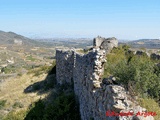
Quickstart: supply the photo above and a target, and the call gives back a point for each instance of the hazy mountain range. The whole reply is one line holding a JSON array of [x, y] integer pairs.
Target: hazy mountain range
[[11, 38], [145, 43]]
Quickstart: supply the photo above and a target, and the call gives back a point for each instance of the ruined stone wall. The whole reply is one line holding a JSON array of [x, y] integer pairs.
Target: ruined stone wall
[[98, 41], [87, 79], [105, 43], [95, 95], [64, 66]]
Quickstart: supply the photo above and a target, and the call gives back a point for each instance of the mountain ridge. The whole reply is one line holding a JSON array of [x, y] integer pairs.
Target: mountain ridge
[[145, 43], [11, 38]]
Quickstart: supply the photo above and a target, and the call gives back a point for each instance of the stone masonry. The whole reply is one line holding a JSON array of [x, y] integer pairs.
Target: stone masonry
[[105, 43], [64, 66], [95, 96]]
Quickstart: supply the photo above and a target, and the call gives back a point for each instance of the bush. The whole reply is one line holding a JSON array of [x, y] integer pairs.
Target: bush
[[59, 105], [2, 103], [62, 108], [16, 115], [30, 57], [8, 69], [117, 55], [18, 105], [139, 70], [42, 69], [36, 112]]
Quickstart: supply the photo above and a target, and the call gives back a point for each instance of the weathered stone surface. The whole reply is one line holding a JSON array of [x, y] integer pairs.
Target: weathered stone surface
[[65, 60], [105, 43], [109, 81], [95, 96]]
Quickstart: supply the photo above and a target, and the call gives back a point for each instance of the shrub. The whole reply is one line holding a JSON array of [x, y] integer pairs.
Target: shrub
[[139, 70], [42, 69], [63, 108], [19, 74], [2, 103], [36, 112], [30, 57], [18, 105], [59, 105], [16, 115]]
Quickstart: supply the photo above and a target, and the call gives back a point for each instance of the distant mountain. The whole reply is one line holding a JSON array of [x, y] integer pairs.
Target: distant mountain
[[145, 43], [11, 38]]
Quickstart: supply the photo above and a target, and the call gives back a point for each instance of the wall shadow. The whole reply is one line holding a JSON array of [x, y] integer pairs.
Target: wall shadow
[[43, 86], [59, 104]]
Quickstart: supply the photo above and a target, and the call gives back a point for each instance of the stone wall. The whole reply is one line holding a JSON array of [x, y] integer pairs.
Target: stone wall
[[105, 43], [98, 41], [96, 96], [64, 66]]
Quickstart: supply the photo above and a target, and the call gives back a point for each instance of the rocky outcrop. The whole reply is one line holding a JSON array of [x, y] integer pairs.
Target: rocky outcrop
[[105, 43], [18, 41], [155, 56], [99, 99]]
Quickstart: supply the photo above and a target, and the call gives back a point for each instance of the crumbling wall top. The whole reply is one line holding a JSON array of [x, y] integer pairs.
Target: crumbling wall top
[[105, 43]]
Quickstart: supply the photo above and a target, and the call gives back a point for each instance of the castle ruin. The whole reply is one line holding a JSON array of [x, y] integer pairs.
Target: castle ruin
[[105, 43], [94, 95]]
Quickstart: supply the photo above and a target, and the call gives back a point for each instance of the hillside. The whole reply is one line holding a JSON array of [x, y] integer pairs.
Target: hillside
[[18, 54], [145, 43], [36, 74], [11, 38]]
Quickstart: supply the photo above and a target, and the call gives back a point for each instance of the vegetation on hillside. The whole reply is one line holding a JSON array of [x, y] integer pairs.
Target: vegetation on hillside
[[62, 106], [60, 102], [138, 73], [151, 105], [43, 69]]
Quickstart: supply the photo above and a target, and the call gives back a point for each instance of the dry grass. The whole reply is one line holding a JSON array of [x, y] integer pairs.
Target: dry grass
[[12, 91], [151, 106]]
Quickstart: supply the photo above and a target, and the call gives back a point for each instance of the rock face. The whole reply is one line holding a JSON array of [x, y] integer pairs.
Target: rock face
[[106, 44], [96, 96], [18, 41]]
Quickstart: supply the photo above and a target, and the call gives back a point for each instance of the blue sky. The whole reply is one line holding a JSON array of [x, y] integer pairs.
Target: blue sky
[[124, 19]]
